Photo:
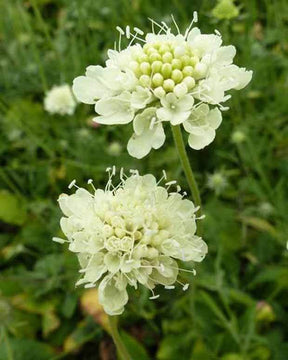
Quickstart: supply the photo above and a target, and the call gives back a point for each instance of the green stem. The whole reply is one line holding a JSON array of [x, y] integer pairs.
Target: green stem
[[121, 348], [178, 139]]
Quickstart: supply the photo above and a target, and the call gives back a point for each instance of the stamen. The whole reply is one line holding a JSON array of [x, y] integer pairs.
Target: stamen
[[185, 287], [154, 297], [73, 182], [177, 28], [169, 287], [173, 182], [128, 32], [59, 240], [138, 31], [121, 31]]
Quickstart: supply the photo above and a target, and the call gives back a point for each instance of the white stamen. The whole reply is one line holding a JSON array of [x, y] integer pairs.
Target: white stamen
[[128, 32], [154, 297], [185, 287], [138, 31], [173, 182], [121, 31], [177, 28], [59, 240], [73, 182], [169, 287], [195, 16], [217, 32]]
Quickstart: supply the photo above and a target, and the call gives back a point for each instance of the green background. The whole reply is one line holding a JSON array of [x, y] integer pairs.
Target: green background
[[236, 307]]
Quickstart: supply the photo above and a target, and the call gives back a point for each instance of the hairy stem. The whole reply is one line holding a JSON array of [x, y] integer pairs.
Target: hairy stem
[[178, 139], [121, 348]]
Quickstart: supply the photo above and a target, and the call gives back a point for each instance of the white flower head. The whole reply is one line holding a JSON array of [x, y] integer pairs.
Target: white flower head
[[130, 234], [166, 74], [60, 100], [217, 182]]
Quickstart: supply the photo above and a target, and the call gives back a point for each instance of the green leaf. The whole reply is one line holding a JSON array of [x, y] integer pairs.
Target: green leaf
[[136, 350], [26, 349], [12, 209]]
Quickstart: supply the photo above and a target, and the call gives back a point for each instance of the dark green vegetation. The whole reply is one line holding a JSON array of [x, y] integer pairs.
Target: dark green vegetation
[[236, 307]]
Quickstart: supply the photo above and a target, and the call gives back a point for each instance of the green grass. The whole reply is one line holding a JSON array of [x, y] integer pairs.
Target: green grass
[[237, 305]]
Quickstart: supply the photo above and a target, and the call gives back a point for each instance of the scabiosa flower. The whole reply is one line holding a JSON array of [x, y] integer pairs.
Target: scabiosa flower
[[217, 182], [60, 100], [162, 77], [128, 234]]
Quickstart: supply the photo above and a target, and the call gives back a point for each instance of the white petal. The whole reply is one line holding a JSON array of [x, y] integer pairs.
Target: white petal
[[139, 146], [214, 118], [199, 142], [111, 298], [87, 90], [185, 103], [179, 117], [164, 114], [158, 138]]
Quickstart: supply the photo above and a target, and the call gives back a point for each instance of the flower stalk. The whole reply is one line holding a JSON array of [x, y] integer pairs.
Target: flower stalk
[[121, 348], [178, 139]]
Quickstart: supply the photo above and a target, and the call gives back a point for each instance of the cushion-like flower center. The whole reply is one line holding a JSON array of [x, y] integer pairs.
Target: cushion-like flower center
[[164, 65]]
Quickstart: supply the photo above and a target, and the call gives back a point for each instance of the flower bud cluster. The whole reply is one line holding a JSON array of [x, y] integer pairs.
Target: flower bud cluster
[[161, 77], [129, 234]]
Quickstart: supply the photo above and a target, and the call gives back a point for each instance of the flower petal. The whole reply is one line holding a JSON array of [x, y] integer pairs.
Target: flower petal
[[111, 298], [199, 142]]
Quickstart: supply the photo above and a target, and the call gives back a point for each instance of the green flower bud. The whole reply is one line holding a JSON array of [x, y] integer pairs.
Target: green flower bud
[[145, 80], [189, 81], [177, 75], [159, 92], [167, 57], [176, 64], [168, 85], [188, 71], [145, 68], [155, 56], [157, 79], [156, 66], [185, 60], [166, 70], [180, 90]]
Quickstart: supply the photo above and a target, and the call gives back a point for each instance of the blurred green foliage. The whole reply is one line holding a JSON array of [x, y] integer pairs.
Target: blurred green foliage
[[236, 308]]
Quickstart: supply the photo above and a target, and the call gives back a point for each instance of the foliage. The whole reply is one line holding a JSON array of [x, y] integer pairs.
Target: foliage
[[236, 307]]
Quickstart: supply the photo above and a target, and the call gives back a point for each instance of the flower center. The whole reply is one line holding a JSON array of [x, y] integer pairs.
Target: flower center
[[162, 66]]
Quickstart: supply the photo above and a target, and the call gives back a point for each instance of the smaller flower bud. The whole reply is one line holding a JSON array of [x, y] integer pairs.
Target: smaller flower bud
[[189, 81], [142, 58], [157, 79], [145, 80], [163, 49], [155, 56], [159, 92], [119, 232], [180, 90], [166, 70], [185, 60], [156, 66], [179, 51], [176, 64], [167, 57], [168, 85], [145, 68], [200, 71], [188, 71], [177, 75]]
